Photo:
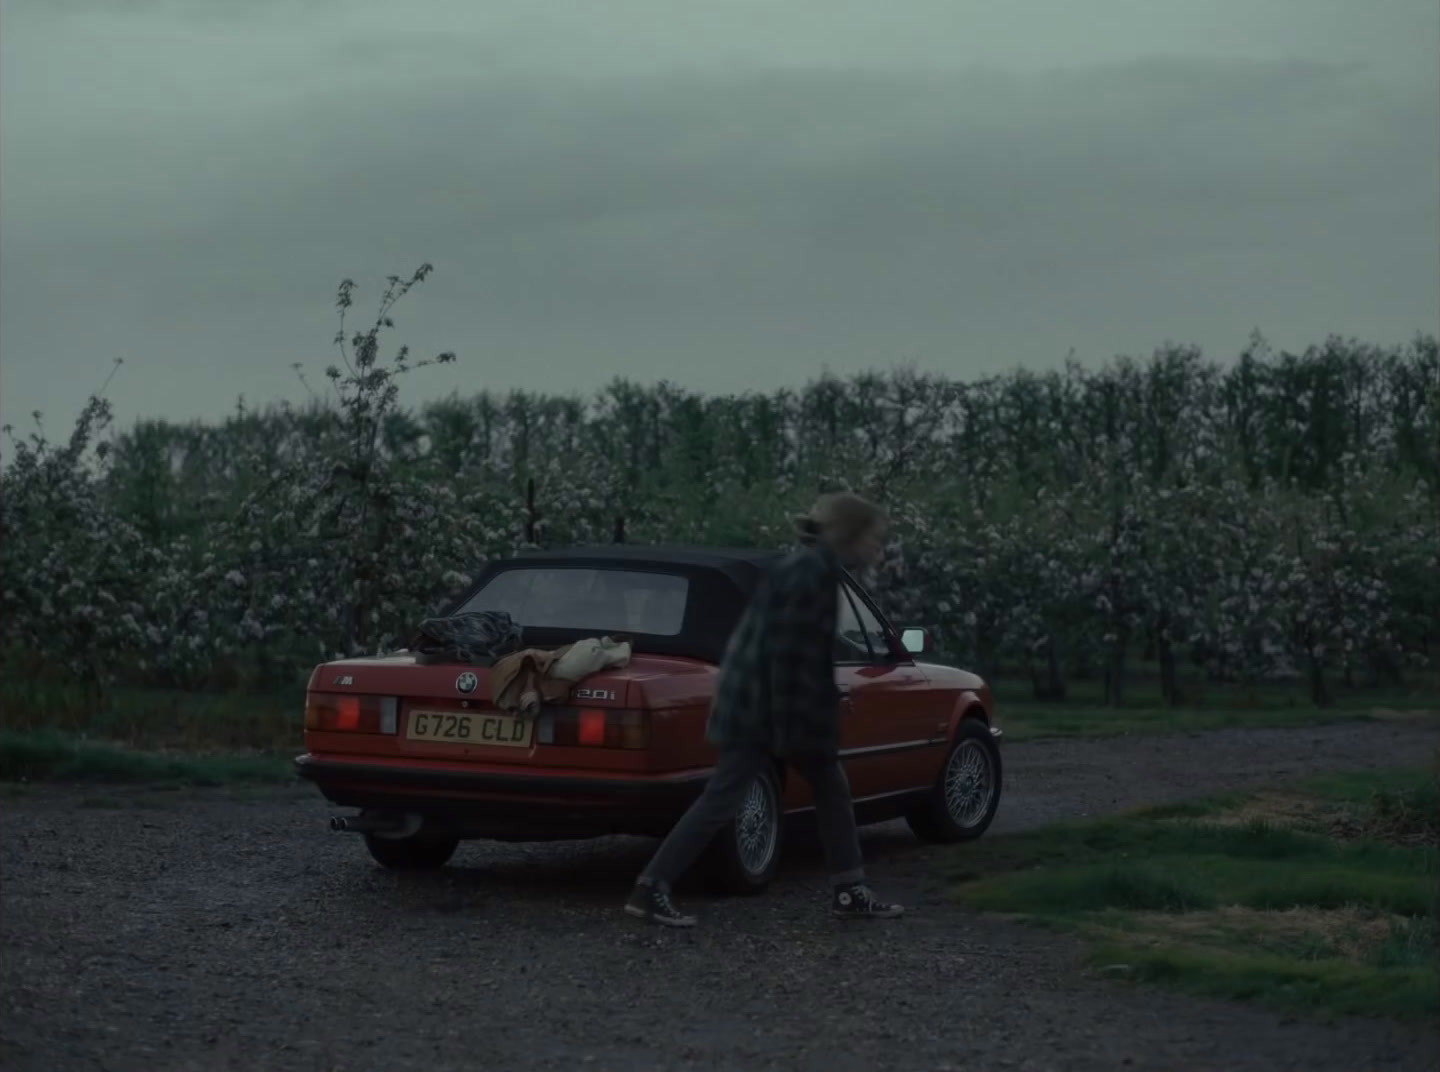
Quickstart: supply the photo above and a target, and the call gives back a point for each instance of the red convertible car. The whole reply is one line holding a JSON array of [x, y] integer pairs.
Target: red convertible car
[[428, 760]]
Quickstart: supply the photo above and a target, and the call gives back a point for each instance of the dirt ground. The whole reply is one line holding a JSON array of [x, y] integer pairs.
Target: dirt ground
[[229, 930]]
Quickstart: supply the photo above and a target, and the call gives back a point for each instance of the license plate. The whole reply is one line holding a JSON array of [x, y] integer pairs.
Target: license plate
[[459, 727]]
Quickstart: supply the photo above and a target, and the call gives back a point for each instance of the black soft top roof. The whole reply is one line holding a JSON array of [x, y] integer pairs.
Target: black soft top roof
[[721, 583], [743, 564]]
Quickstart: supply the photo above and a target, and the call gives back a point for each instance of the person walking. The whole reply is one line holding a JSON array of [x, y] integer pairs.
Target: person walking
[[777, 698]]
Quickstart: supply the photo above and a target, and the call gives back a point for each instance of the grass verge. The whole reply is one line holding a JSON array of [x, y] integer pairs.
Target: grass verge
[[1209, 706], [156, 719], [178, 720], [1321, 897], [53, 756], [1028, 720]]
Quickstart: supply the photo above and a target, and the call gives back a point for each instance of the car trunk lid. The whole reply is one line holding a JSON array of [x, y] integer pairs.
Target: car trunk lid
[[445, 710]]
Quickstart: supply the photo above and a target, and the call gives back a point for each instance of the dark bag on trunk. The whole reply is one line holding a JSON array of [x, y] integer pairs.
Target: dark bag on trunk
[[478, 638]]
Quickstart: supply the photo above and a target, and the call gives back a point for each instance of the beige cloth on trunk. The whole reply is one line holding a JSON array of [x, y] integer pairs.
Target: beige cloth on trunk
[[524, 680]]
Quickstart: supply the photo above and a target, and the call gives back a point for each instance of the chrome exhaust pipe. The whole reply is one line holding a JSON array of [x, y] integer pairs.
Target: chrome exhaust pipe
[[387, 826]]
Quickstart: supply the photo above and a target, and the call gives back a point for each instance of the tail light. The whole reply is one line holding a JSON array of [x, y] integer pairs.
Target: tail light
[[592, 727], [344, 713]]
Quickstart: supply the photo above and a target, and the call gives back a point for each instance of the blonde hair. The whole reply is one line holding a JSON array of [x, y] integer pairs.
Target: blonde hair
[[841, 517]]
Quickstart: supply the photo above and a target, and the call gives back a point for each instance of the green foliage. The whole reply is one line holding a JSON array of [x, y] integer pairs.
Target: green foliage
[[1277, 518]]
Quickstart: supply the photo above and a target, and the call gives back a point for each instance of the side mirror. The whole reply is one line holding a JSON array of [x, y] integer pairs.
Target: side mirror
[[916, 641]]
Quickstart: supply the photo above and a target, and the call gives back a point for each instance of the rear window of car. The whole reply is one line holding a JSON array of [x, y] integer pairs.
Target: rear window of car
[[598, 600]]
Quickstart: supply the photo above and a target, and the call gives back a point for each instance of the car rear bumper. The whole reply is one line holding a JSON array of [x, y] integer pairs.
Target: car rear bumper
[[509, 804]]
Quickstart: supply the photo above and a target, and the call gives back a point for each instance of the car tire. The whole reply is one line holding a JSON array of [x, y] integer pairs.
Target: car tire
[[745, 856], [420, 852], [957, 808]]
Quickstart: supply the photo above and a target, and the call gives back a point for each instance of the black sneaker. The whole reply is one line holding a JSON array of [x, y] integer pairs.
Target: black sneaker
[[857, 902], [652, 901]]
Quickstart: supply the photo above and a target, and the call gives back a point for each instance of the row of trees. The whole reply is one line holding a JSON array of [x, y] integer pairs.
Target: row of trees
[[1280, 515]]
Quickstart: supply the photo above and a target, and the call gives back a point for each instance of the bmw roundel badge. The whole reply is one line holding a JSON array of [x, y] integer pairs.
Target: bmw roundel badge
[[466, 682]]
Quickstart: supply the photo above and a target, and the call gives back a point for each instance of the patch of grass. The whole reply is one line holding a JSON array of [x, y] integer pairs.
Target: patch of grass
[[1209, 707], [1034, 721], [53, 756], [1143, 692], [1335, 985], [1181, 882], [1146, 835], [1361, 787], [1398, 807], [1411, 943], [1239, 897], [1090, 889], [155, 718], [1410, 892]]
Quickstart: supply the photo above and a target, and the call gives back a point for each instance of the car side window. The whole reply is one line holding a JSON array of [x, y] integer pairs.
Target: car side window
[[851, 645], [873, 631]]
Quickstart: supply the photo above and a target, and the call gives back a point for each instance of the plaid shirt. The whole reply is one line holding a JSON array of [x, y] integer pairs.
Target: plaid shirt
[[777, 681]]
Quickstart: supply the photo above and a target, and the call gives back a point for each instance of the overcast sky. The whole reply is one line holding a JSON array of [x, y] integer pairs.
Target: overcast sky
[[729, 195]]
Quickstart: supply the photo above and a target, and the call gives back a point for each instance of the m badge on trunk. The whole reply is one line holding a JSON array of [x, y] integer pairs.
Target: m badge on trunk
[[466, 682]]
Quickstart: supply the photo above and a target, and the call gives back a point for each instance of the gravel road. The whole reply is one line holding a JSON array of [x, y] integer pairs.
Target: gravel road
[[229, 930]]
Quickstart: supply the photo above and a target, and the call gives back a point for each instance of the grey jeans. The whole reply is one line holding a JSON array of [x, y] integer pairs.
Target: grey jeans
[[733, 774]]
